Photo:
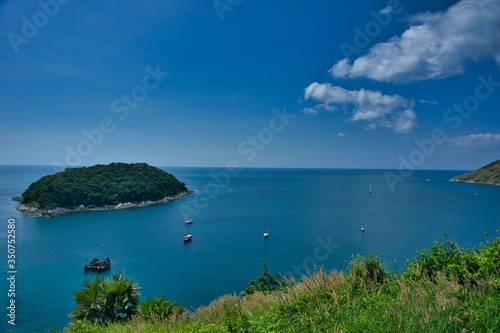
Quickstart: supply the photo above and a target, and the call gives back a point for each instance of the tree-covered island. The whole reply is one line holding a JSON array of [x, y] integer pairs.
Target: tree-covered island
[[488, 174], [112, 186]]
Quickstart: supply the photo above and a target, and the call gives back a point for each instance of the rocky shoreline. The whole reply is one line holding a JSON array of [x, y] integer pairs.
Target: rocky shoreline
[[37, 212], [456, 180]]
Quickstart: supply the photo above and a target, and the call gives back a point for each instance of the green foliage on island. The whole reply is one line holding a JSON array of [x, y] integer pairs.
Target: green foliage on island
[[101, 185], [488, 174], [444, 289]]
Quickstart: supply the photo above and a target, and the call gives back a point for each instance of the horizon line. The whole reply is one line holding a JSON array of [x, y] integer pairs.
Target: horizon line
[[242, 167]]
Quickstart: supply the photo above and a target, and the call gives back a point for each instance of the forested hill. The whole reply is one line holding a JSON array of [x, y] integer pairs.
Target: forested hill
[[488, 174], [101, 185]]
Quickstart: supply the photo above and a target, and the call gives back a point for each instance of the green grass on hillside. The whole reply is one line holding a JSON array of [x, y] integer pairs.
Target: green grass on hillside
[[444, 289], [488, 174]]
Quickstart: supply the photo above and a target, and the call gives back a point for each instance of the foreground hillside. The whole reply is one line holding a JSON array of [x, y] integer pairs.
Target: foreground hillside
[[101, 185], [444, 289], [488, 174]]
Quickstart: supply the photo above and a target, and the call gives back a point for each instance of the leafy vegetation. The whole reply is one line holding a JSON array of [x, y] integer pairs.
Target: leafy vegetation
[[106, 301], [465, 266], [489, 174], [265, 283], [444, 289], [101, 185], [370, 270], [159, 308]]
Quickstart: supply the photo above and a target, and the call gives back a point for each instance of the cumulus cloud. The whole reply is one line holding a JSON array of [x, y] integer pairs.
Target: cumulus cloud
[[436, 45], [372, 107], [477, 142]]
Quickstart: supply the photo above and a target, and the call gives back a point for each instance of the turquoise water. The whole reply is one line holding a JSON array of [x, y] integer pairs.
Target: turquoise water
[[313, 218]]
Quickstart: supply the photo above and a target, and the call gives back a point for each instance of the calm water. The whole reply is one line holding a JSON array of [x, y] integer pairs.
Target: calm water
[[313, 218]]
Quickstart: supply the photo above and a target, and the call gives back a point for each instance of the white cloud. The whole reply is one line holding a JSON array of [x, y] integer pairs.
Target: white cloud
[[477, 142], [425, 101], [373, 107], [403, 122], [437, 45], [387, 10], [310, 111]]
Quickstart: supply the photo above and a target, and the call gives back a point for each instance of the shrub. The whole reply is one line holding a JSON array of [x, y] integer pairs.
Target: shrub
[[159, 308], [106, 300], [446, 258], [265, 283], [368, 270]]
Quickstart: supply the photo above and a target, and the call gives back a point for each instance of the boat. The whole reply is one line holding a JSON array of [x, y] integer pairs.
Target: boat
[[370, 189], [363, 229], [189, 221], [266, 234], [188, 238], [97, 265]]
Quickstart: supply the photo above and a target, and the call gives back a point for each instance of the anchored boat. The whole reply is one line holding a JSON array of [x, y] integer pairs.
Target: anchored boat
[[98, 265]]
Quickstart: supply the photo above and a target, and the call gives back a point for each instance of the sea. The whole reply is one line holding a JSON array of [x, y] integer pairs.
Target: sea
[[313, 216]]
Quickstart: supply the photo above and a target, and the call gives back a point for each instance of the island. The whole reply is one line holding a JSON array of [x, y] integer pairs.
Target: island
[[488, 174], [100, 187]]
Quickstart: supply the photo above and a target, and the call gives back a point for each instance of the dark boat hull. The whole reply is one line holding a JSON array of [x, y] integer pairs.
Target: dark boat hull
[[97, 265]]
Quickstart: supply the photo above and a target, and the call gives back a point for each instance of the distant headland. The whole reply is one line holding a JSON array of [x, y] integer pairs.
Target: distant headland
[[488, 174], [100, 187]]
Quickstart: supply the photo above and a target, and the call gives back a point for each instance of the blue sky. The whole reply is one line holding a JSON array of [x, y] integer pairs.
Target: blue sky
[[328, 84]]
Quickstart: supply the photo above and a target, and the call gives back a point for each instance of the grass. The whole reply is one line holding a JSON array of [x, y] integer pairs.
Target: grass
[[445, 289], [489, 174]]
